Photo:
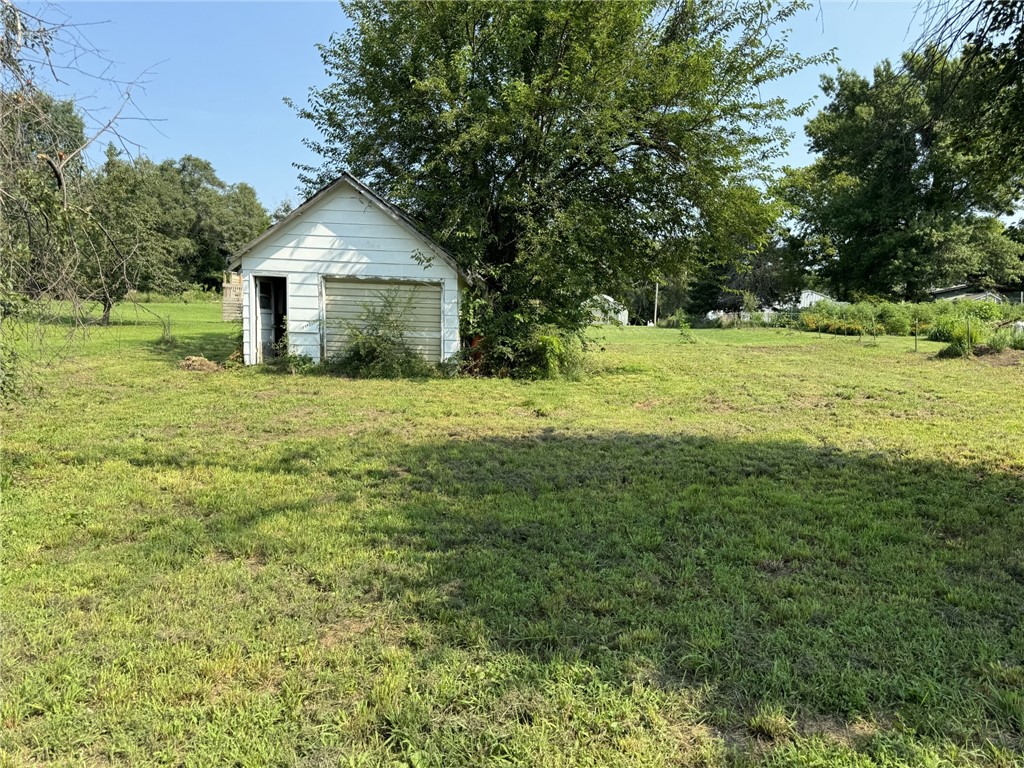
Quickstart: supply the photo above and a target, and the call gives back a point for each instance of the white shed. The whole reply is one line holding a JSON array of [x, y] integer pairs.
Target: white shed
[[309, 276], [607, 310], [809, 298]]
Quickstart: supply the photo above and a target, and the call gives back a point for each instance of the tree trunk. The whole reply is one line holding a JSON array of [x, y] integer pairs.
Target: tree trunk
[[108, 305]]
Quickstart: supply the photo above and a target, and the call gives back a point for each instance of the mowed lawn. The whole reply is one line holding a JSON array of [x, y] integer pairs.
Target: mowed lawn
[[765, 548]]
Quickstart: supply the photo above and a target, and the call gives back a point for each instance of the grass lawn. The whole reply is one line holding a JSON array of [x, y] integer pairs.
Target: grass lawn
[[764, 548]]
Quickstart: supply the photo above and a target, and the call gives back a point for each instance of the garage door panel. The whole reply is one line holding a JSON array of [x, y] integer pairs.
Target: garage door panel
[[345, 301]]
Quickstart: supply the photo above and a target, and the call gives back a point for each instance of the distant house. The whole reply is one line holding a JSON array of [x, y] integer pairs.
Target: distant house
[[809, 298], [607, 310], [967, 292], [309, 277]]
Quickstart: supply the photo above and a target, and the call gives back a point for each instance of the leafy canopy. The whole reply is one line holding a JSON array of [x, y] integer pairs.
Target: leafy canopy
[[559, 149], [990, 35], [903, 195]]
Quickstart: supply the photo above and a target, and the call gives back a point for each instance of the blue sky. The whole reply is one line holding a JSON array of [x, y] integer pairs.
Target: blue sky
[[214, 73]]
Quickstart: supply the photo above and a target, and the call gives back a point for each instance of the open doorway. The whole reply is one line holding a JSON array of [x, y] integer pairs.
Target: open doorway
[[271, 308]]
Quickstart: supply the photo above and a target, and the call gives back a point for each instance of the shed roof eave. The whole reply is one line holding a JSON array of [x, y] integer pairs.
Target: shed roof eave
[[399, 216]]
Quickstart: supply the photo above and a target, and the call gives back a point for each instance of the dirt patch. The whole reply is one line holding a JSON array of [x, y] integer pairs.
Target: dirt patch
[[715, 404], [198, 363], [778, 568], [851, 735], [344, 631], [1006, 358], [252, 563], [646, 405]]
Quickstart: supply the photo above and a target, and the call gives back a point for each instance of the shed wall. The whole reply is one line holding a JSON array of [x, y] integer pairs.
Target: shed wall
[[342, 235]]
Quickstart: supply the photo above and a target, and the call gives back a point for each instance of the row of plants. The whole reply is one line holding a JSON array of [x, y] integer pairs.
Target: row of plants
[[194, 293], [964, 325], [934, 320]]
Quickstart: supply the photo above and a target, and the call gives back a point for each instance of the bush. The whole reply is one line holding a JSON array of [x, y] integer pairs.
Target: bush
[[964, 338], [1000, 340], [1017, 339], [983, 310], [286, 361], [674, 320], [189, 294], [685, 332], [895, 319], [942, 328], [1008, 337], [198, 294], [784, 319], [548, 354]]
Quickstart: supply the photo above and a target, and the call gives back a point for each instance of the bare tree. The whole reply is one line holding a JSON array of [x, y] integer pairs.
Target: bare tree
[[56, 260]]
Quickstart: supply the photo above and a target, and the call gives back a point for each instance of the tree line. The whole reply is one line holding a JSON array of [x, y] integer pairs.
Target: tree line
[[916, 185], [85, 233]]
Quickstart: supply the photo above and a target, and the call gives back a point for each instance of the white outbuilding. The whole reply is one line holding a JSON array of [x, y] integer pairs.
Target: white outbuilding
[[809, 298], [607, 310], [309, 278]]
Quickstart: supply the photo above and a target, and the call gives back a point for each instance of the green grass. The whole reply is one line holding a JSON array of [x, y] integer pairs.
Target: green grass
[[764, 548]]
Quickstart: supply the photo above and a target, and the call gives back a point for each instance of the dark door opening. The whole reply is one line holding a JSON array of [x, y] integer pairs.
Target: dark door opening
[[272, 299]]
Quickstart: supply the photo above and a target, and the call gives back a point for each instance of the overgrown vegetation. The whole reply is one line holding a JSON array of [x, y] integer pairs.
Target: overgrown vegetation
[[962, 324], [767, 549], [378, 345]]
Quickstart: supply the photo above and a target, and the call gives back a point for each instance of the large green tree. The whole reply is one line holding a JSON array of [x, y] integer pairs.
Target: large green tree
[[127, 250], [160, 226], [903, 196], [559, 149], [207, 217]]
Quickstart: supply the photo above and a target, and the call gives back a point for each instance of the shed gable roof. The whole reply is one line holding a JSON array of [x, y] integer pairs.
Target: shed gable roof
[[399, 216]]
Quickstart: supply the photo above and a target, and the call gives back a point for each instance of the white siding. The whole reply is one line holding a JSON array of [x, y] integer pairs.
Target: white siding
[[343, 235]]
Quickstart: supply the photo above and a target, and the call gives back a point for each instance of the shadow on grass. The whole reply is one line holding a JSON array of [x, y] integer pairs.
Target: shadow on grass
[[216, 346], [834, 584], [842, 584]]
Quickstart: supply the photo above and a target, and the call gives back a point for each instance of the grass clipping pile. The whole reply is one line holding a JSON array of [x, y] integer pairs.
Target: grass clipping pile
[[199, 363]]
